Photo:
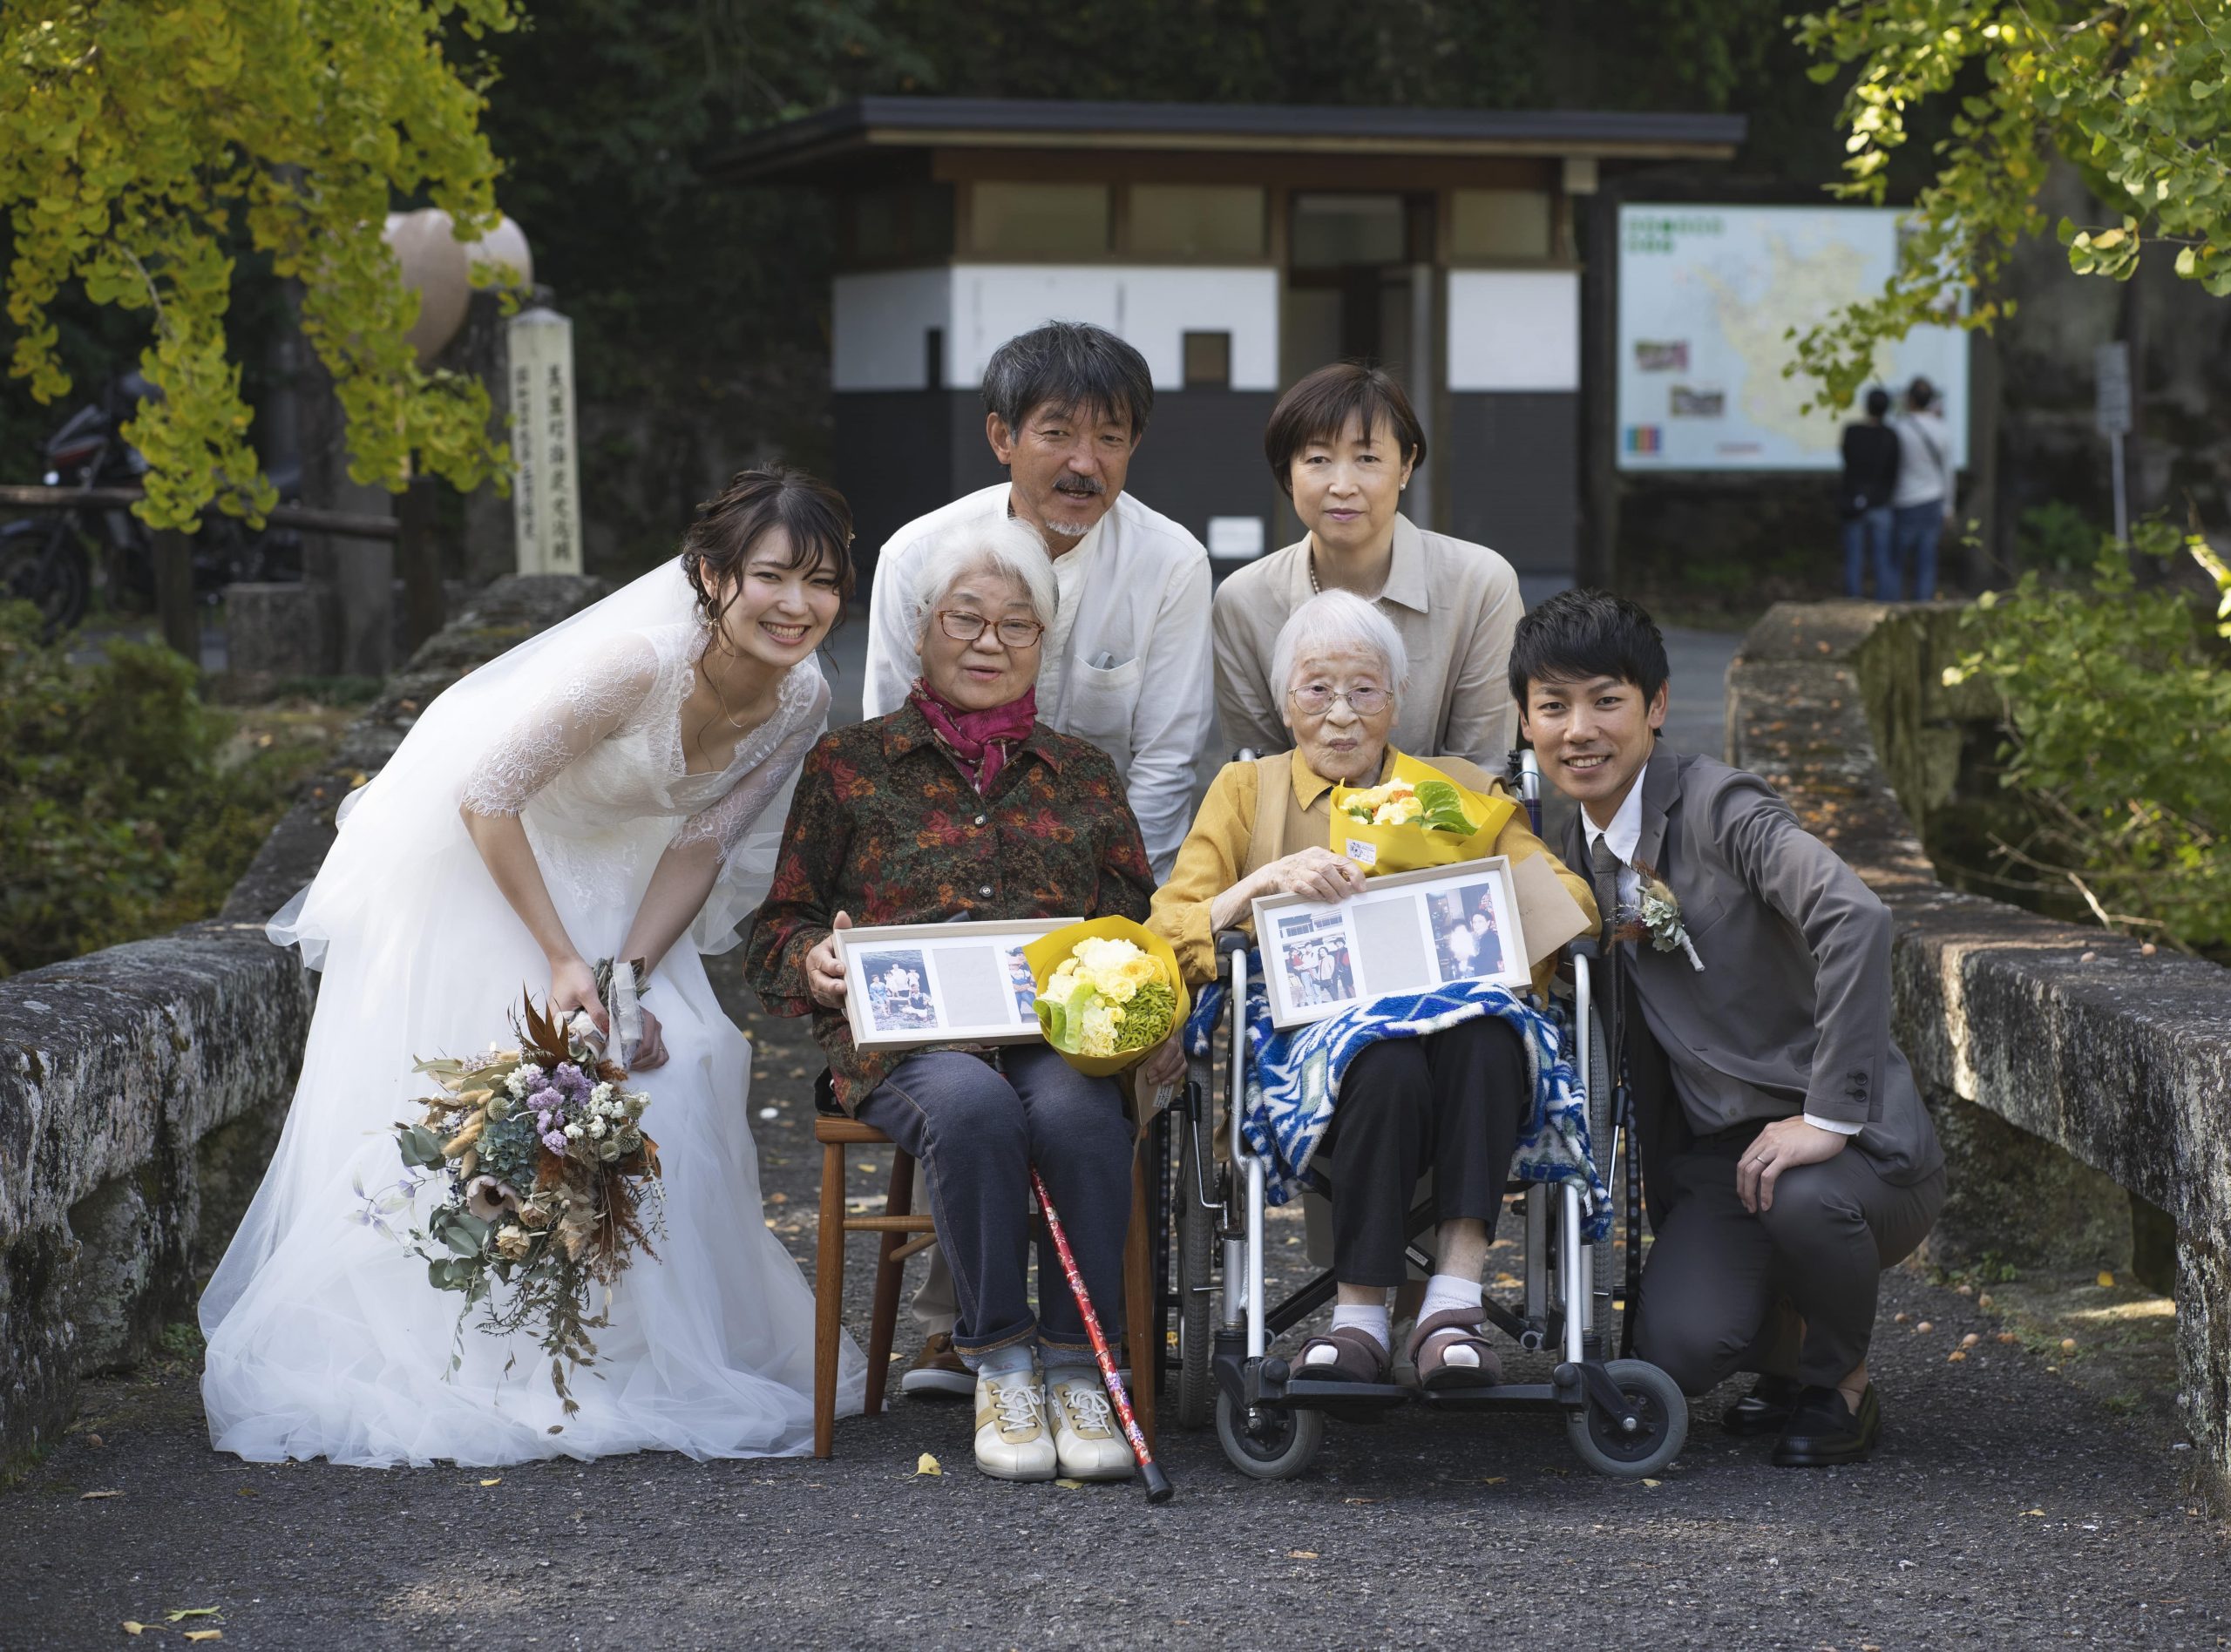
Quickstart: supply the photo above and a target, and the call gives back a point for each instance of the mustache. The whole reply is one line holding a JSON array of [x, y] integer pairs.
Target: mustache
[[1089, 487]]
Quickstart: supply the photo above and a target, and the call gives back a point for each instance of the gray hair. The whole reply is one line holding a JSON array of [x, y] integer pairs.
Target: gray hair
[[1332, 620], [1005, 546], [1075, 366]]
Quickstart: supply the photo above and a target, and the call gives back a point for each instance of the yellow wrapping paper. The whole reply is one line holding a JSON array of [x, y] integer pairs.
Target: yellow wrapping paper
[[1045, 956], [1410, 847]]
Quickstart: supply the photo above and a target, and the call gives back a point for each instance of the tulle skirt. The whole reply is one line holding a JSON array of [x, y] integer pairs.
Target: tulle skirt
[[324, 1335]]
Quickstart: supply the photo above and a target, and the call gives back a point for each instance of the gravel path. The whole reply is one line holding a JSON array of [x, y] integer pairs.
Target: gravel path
[[2006, 1509]]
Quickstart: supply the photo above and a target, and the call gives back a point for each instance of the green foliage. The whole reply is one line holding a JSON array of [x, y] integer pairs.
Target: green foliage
[[2137, 95], [144, 147], [2117, 702], [2055, 537], [121, 814]]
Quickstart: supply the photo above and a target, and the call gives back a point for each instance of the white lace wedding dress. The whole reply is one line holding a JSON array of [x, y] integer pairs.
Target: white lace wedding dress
[[324, 1336]]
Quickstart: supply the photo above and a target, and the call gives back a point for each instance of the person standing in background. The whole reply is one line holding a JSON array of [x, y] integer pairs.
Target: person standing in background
[[1871, 470], [1922, 503]]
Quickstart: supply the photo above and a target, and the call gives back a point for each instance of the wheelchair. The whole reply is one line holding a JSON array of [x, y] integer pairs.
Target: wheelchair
[[1623, 1416]]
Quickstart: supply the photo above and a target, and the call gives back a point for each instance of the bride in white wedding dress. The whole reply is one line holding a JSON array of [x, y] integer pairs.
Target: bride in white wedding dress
[[615, 787]]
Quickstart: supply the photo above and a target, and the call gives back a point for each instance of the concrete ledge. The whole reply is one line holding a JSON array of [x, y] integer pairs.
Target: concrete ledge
[[142, 1087], [2070, 1035]]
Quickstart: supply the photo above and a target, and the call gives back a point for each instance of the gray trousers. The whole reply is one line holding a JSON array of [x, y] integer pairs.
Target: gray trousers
[[976, 1130], [1724, 1291]]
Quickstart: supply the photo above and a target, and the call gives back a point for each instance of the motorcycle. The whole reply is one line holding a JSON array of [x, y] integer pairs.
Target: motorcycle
[[53, 561]]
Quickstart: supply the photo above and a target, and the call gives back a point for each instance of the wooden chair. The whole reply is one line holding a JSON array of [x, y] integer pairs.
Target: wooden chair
[[903, 1233]]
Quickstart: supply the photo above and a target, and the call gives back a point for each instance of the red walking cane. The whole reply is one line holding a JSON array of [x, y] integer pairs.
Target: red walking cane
[[1157, 1483]]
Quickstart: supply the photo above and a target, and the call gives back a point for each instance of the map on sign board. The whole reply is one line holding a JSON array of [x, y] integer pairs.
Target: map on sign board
[[1708, 296]]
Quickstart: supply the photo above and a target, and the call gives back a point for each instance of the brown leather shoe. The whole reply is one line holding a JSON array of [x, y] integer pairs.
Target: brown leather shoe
[[937, 1373]]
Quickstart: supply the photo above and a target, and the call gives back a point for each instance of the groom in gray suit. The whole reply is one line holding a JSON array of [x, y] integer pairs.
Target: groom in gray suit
[[1787, 1154]]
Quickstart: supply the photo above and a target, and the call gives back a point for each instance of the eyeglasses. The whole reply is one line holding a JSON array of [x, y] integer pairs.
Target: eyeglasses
[[1316, 698], [964, 626]]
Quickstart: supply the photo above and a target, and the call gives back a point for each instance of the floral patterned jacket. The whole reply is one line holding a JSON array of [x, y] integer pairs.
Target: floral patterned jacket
[[886, 827]]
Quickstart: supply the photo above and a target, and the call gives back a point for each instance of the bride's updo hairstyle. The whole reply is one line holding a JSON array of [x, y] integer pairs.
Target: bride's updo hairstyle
[[811, 513]]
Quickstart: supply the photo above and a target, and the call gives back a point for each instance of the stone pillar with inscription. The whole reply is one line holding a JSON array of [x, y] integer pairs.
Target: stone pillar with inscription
[[545, 481]]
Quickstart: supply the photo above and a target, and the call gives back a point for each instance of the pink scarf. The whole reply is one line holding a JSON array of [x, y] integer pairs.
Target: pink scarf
[[981, 742]]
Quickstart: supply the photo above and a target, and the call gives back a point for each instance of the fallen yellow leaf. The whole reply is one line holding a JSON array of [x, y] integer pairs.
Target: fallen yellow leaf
[[2106, 1281], [2032, 1511], [192, 1611], [95, 1497], [928, 1465], [498, 1481], [205, 1635], [133, 1627], [1070, 1485], [1303, 1554], [1954, 1358], [1647, 1481]]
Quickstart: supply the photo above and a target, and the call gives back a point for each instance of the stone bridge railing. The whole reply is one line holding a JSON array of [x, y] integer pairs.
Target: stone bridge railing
[[142, 1087], [2035, 1042]]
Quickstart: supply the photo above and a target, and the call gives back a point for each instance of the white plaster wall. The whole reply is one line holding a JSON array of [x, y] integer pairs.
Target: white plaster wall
[[1151, 308], [879, 326], [1514, 329]]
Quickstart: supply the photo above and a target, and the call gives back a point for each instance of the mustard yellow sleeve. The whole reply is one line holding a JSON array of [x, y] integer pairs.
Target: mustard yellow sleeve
[[1517, 840], [1208, 863]]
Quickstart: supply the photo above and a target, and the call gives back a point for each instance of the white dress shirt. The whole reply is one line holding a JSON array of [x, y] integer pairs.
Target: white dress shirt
[[1127, 663], [1624, 836]]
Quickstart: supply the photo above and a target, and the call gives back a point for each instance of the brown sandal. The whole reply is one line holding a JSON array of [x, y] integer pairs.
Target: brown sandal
[[1453, 1328], [1357, 1358]]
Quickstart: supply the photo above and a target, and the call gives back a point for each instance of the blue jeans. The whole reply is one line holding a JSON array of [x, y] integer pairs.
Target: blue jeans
[[977, 1129], [1913, 529], [1867, 539]]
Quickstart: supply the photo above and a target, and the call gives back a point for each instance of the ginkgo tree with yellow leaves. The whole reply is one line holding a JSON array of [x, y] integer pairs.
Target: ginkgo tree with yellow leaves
[[144, 144], [2137, 97]]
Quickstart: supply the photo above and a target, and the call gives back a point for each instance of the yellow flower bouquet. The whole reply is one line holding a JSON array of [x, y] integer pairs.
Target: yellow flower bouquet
[[1108, 992], [1418, 817]]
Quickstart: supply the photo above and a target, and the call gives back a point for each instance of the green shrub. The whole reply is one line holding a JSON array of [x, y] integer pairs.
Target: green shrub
[[2117, 701], [125, 811]]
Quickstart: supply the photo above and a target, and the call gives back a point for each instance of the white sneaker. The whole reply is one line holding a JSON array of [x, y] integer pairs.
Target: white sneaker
[[1011, 1441], [1087, 1441]]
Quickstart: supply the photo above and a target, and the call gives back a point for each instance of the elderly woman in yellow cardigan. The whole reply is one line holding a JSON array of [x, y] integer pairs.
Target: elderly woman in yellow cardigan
[[1451, 1102]]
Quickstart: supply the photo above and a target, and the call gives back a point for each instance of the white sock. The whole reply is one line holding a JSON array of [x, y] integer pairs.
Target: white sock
[[1369, 1318], [1445, 1292], [1001, 1362]]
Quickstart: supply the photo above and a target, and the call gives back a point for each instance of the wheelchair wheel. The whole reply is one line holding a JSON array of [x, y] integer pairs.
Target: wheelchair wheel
[[1280, 1443], [1663, 1412], [1195, 1122]]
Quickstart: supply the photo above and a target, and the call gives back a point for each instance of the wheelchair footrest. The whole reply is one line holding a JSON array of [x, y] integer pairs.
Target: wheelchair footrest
[[1345, 1396]]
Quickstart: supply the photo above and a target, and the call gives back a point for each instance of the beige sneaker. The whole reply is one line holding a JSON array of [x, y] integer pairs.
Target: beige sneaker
[[1088, 1443], [1011, 1441]]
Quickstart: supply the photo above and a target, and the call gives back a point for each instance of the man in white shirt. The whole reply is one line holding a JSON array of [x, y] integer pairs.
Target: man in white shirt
[[1921, 501], [1127, 664]]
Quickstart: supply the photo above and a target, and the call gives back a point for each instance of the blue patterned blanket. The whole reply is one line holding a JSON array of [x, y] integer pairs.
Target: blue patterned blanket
[[1293, 1079]]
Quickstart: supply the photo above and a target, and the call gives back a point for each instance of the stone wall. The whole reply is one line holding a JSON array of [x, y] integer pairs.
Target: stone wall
[[2062, 1063], [142, 1087]]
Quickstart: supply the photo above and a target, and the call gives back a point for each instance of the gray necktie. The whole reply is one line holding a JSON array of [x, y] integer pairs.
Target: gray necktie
[[1604, 867]]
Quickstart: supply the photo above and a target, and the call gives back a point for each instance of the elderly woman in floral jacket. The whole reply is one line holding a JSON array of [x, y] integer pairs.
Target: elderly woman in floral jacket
[[961, 804]]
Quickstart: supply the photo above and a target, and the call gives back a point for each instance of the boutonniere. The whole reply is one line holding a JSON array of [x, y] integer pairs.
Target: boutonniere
[[1656, 915]]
